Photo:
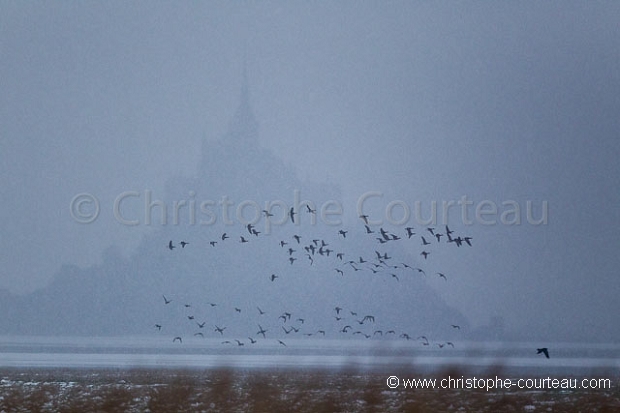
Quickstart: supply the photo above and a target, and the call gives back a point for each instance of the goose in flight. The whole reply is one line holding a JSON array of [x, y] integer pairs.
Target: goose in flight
[[364, 218], [224, 236], [170, 246], [273, 277], [261, 331], [424, 254], [166, 301], [282, 342], [543, 350], [158, 327], [179, 339], [183, 244], [220, 329], [292, 214], [410, 232], [310, 210]]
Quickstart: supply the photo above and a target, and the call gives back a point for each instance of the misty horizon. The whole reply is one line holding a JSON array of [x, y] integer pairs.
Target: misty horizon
[[497, 121]]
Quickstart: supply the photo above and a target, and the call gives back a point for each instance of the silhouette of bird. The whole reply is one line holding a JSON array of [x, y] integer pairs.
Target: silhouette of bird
[[166, 301], [158, 327], [455, 326], [543, 350], [252, 341], [242, 240], [224, 236], [261, 312], [364, 218], [239, 343], [199, 334], [282, 342], [261, 331], [441, 275], [424, 241], [267, 213], [201, 325], [273, 277], [297, 238], [425, 254], [292, 260], [368, 230], [170, 246], [177, 338], [220, 329], [338, 310], [339, 271], [343, 233], [292, 214], [410, 232], [213, 243], [310, 210], [183, 244]]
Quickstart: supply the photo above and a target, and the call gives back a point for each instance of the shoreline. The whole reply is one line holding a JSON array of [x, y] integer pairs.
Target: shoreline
[[305, 390]]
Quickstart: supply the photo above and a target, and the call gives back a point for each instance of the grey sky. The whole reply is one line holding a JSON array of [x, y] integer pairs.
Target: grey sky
[[421, 101]]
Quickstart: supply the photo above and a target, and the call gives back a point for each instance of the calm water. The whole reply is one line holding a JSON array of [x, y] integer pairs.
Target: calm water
[[136, 352]]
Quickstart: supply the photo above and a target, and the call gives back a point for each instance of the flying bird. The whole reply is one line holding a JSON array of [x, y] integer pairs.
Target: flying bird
[[543, 350], [166, 301], [170, 246], [177, 338], [292, 214], [183, 244]]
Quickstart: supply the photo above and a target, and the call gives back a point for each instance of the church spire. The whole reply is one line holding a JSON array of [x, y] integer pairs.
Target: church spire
[[243, 128]]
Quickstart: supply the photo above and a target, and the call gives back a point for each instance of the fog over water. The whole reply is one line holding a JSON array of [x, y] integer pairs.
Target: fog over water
[[499, 120]]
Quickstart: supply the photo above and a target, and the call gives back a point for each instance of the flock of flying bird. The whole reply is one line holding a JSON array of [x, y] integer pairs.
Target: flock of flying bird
[[296, 249]]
